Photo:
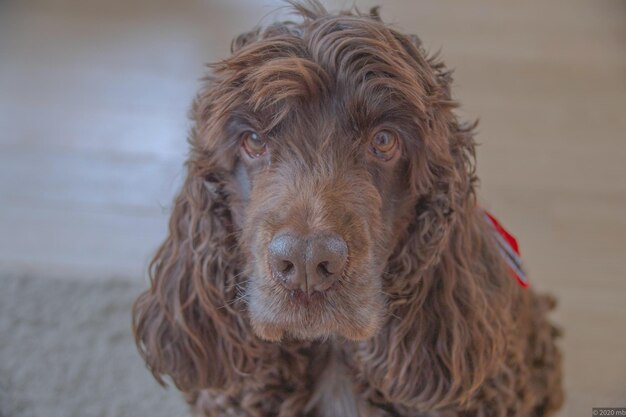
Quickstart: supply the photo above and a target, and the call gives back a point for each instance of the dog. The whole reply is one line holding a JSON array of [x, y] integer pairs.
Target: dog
[[326, 255]]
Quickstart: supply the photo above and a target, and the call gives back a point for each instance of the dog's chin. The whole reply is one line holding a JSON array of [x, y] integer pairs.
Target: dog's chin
[[273, 332]]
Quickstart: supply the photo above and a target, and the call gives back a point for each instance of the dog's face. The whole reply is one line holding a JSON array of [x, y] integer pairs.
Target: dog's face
[[322, 129], [326, 199]]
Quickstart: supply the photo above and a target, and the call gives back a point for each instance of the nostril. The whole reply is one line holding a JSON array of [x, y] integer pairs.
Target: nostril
[[322, 269], [327, 255], [287, 267]]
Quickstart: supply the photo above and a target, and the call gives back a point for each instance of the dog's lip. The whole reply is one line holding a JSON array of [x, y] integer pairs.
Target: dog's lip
[[296, 305], [312, 305], [275, 313], [312, 296]]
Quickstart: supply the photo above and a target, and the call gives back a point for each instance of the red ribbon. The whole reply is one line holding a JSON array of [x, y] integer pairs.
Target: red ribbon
[[509, 249]]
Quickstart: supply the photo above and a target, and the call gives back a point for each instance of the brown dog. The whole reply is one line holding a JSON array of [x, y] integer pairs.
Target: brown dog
[[326, 256]]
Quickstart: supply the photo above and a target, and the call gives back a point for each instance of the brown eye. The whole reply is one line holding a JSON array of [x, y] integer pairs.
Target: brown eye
[[252, 142], [384, 144]]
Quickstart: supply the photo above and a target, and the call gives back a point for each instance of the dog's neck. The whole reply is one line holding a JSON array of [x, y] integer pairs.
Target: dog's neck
[[334, 393]]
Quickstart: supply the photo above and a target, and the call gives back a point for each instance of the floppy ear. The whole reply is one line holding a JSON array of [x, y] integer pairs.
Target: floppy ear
[[447, 317], [191, 323], [188, 324]]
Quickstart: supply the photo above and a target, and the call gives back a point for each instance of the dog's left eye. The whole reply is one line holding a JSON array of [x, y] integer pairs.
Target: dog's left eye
[[384, 143], [253, 144]]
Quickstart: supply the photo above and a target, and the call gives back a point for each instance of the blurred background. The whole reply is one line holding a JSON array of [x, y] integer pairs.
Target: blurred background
[[93, 103]]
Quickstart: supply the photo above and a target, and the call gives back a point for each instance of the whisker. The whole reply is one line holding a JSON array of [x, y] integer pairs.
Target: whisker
[[242, 297]]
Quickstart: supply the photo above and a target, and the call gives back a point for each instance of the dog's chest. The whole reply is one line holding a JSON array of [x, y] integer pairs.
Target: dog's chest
[[334, 393]]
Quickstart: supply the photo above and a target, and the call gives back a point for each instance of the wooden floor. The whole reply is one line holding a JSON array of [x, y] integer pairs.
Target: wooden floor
[[94, 94]]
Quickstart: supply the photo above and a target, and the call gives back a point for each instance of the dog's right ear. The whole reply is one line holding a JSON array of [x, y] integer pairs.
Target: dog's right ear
[[188, 325]]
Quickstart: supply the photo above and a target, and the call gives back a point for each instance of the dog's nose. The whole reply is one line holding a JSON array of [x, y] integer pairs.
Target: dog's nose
[[307, 263]]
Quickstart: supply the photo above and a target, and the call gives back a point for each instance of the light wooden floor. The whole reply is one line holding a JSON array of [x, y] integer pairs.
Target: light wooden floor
[[93, 98]]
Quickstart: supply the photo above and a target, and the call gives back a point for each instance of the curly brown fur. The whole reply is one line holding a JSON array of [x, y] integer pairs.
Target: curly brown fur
[[424, 320]]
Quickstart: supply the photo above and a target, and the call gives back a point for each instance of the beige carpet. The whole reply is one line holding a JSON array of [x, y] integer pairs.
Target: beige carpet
[[66, 350]]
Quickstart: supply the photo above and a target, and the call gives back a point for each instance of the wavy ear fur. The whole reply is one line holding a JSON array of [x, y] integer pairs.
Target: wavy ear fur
[[447, 321], [191, 323]]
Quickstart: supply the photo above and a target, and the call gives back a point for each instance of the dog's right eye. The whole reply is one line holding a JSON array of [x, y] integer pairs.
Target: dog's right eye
[[384, 144], [253, 144]]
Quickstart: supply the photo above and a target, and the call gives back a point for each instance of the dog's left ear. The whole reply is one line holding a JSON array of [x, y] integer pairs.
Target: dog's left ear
[[447, 321], [444, 178]]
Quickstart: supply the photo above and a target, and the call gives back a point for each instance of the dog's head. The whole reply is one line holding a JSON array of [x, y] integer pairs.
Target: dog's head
[[331, 130], [321, 151]]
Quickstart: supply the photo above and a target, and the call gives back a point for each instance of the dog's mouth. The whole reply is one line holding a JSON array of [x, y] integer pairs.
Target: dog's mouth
[[278, 313]]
